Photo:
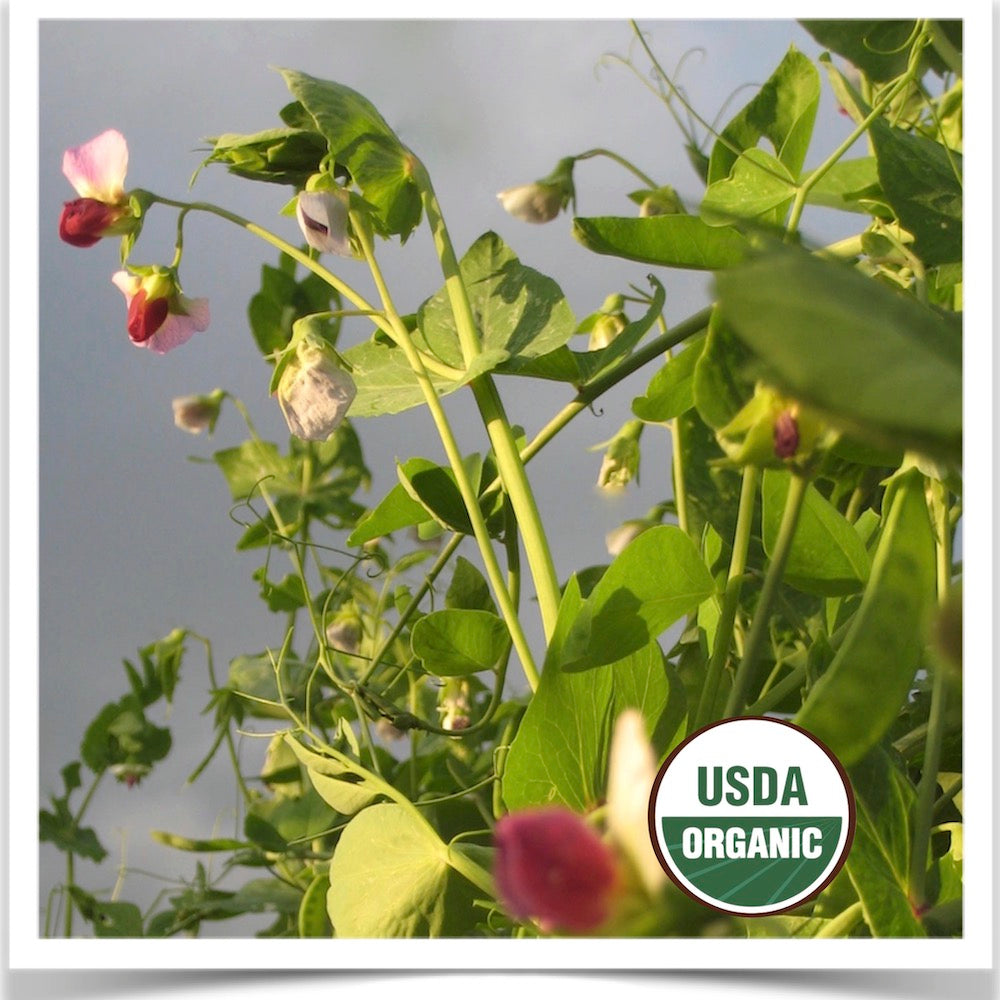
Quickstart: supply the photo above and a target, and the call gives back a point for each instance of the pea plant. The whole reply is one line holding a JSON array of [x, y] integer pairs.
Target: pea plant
[[432, 770]]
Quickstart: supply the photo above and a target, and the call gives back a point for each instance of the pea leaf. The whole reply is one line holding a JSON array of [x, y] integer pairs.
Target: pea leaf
[[922, 182], [520, 313], [876, 362], [469, 589], [671, 390], [827, 556], [453, 643], [657, 577], [875, 47], [344, 789], [668, 240], [560, 752], [879, 860], [390, 878], [783, 110], [359, 138], [759, 187]]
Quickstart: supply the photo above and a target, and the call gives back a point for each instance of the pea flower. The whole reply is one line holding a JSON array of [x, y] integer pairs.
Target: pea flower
[[97, 172], [552, 867], [322, 218], [616, 539], [314, 392], [544, 199], [160, 317], [195, 414], [344, 633]]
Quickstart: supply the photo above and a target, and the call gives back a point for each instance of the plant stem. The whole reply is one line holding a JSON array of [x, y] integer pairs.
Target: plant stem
[[454, 456], [77, 819], [845, 921], [731, 596], [434, 364], [762, 613], [631, 167], [923, 810], [509, 464]]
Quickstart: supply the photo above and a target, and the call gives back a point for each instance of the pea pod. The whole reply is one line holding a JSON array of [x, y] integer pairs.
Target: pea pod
[[855, 702]]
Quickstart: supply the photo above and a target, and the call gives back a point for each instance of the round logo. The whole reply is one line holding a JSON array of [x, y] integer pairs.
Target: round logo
[[751, 816]]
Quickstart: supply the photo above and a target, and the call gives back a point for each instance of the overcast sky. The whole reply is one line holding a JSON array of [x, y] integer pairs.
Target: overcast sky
[[136, 539]]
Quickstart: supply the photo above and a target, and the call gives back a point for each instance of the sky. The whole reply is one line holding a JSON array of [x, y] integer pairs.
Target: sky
[[135, 538]]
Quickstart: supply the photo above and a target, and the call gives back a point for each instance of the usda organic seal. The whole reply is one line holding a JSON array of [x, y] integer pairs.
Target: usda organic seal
[[751, 816]]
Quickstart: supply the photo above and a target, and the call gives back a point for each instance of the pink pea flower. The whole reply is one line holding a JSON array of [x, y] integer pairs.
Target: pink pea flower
[[160, 317], [97, 172], [552, 867]]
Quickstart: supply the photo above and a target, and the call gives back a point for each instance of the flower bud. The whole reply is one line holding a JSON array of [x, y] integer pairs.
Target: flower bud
[[314, 392], [86, 221], [195, 414], [621, 460], [322, 217], [631, 772], [543, 200], [772, 431], [616, 539], [550, 866], [661, 201], [605, 329], [454, 704]]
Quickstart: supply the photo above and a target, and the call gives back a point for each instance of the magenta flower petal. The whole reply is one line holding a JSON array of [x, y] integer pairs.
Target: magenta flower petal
[[176, 329], [552, 867], [159, 317], [97, 168]]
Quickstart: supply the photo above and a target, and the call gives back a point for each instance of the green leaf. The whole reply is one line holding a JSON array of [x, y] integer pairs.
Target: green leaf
[[359, 138], [875, 47], [720, 384], [873, 360], [289, 820], [313, 920], [560, 752], [254, 675], [108, 919], [827, 556], [519, 312], [713, 492], [671, 390], [922, 183], [436, 490], [395, 511], [286, 595], [390, 878], [59, 828], [668, 240], [453, 643], [276, 155], [846, 185], [121, 734], [759, 187], [783, 111], [853, 704], [251, 463], [469, 589], [879, 860], [657, 578], [346, 790]]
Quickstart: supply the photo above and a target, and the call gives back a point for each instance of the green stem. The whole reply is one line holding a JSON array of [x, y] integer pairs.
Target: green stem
[[509, 464], [628, 165], [820, 172], [731, 596], [70, 866], [923, 811], [845, 921], [454, 456], [762, 613], [434, 364]]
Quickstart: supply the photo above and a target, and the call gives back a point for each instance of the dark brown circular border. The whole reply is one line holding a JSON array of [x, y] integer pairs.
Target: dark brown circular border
[[851, 817]]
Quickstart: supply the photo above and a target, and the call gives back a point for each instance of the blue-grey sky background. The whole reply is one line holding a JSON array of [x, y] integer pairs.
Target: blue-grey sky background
[[135, 539]]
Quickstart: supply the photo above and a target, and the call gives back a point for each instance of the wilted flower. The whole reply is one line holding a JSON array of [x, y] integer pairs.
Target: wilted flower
[[543, 200], [322, 218], [344, 633], [160, 317], [552, 867], [97, 172], [195, 414], [621, 460], [631, 771], [314, 392]]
